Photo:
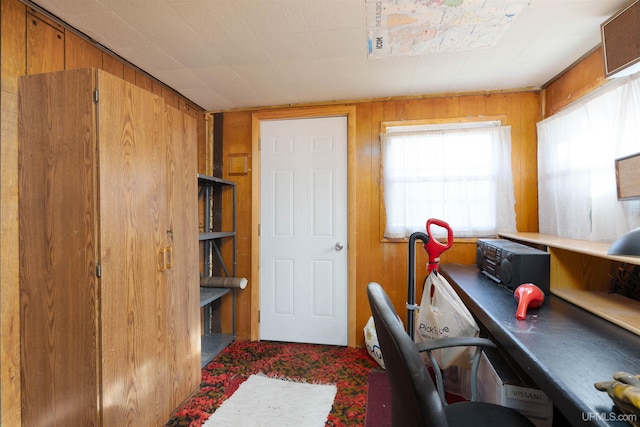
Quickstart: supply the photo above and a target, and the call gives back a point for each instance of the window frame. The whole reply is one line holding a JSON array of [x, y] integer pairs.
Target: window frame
[[385, 125]]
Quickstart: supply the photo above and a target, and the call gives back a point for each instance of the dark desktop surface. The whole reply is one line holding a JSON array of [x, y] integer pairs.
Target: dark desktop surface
[[562, 348]]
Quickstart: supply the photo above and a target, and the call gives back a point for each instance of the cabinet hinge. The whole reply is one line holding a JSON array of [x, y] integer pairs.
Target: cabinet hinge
[[259, 316], [95, 96], [98, 270]]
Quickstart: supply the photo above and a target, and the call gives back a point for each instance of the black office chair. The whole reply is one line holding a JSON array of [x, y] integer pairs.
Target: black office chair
[[414, 397]]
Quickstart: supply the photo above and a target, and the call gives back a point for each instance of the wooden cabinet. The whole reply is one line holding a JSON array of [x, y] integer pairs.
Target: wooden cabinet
[[109, 289], [580, 272]]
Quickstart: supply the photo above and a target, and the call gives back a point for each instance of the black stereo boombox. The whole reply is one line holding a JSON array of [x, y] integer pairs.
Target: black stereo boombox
[[512, 263]]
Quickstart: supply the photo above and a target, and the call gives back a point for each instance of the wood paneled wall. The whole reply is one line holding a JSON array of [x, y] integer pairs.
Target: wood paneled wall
[[33, 43], [377, 259], [386, 262], [580, 79]]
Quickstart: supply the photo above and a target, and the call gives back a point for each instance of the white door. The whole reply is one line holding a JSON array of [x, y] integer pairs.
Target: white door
[[303, 230]]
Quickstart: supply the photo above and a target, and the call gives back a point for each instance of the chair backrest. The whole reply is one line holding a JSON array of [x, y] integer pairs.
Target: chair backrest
[[414, 397]]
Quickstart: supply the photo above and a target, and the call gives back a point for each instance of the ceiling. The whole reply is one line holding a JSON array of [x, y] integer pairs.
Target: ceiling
[[231, 54]]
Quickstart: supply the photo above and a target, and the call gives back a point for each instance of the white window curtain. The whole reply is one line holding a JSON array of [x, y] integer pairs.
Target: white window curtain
[[577, 149], [461, 176]]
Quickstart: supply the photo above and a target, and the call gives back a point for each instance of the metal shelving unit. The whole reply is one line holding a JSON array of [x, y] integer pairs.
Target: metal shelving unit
[[213, 342]]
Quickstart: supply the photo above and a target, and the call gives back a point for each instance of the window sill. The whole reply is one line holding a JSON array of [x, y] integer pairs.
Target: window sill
[[405, 240]]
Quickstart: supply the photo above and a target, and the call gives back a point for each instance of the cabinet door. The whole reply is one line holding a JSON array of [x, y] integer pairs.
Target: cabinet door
[[58, 256], [184, 288], [133, 239]]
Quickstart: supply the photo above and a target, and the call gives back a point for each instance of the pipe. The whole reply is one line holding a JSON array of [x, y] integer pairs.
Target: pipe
[[411, 297]]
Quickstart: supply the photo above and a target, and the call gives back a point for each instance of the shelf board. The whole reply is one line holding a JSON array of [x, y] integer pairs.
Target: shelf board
[[208, 295], [582, 286], [215, 235], [212, 345], [207, 179], [615, 308], [596, 249]]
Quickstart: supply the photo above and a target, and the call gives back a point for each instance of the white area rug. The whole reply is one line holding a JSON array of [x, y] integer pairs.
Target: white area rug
[[264, 402]]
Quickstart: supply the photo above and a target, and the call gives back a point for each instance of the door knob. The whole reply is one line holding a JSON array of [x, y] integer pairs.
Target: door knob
[[339, 246]]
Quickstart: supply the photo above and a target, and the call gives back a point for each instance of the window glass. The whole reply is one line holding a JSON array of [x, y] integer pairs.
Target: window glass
[[460, 174]]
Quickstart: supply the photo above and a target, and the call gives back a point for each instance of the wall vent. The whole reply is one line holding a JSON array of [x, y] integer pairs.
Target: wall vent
[[621, 41]]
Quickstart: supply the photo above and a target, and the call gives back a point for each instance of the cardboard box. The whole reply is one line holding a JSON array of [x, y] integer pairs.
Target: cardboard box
[[499, 384]]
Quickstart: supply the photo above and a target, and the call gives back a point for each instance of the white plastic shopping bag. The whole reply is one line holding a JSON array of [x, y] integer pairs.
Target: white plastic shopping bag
[[442, 314], [371, 341]]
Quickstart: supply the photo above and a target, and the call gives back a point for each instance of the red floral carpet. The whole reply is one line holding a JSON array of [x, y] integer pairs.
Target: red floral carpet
[[347, 368]]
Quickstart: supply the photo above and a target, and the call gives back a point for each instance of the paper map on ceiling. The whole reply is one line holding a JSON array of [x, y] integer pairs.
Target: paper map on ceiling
[[416, 27]]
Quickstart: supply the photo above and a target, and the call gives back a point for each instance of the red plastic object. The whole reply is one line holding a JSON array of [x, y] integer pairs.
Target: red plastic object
[[433, 247], [528, 296]]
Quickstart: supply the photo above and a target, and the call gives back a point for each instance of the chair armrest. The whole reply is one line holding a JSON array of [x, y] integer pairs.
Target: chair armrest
[[454, 342]]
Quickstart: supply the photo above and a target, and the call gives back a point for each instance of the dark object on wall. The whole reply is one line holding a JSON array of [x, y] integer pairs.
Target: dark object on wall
[[629, 244], [628, 177], [621, 41]]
